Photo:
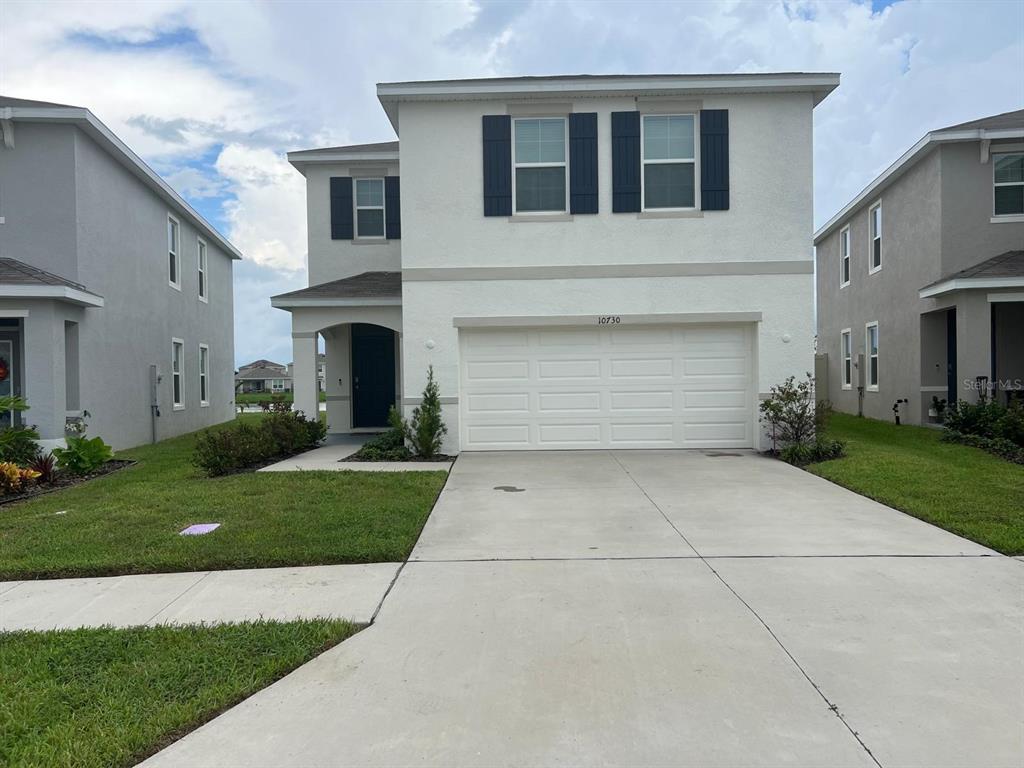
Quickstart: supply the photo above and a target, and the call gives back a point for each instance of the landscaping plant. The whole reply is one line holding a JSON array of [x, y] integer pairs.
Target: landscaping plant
[[83, 455], [426, 429], [797, 423], [243, 445], [988, 425], [17, 442], [15, 479], [387, 446]]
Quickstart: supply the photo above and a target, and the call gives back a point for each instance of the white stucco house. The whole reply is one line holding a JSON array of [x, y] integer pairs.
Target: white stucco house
[[585, 261]]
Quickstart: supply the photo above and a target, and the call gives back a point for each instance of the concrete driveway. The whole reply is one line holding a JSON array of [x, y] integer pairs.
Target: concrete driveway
[[659, 608]]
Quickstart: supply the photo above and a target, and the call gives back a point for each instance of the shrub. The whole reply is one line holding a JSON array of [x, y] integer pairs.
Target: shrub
[[797, 423], [998, 446], [17, 443], [46, 465], [83, 455], [388, 446], [221, 450], [15, 479], [987, 419], [426, 429]]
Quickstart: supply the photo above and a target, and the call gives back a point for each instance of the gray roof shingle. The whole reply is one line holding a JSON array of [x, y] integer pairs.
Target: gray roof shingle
[[14, 272], [992, 122], [12, 101], [368, 285], [260, 374], [1009, 264]]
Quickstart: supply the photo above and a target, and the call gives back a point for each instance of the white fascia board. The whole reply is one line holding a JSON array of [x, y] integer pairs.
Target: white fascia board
[[59, 292], [904, 163], [390, 94], [286, 303], [300, 161], [109, 141], [969, 283]]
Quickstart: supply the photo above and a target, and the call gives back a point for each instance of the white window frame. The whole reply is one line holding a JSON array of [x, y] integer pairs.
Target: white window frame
[[846, 355], [178, 345], [844, 258], [563, 165], [277, 386], [875, 206], [1004, 216], [356, 208], [175, 252], [695, 161], [867, 356], [202, 266], [204, 375]]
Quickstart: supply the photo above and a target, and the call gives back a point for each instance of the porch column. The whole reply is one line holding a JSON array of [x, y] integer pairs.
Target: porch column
[[339, 378], [304, 383], [44, 373]]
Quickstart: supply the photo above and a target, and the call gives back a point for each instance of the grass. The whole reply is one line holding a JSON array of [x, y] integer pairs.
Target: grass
[[252, 398], [128, 522], [964, 490], [110, 697]]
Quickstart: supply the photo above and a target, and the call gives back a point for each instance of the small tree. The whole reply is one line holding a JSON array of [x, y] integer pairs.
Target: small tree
[[797, 422], [426, 429]]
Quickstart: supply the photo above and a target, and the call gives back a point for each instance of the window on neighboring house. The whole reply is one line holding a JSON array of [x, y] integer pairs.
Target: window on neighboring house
[[846, 349], [370, 208], [277, 385], [1008, 172], [871, 347], [844, 256], [204, 374], [539, 179], [201, 247], [875, 225], [669, 162], [173, 254], [177, 368]]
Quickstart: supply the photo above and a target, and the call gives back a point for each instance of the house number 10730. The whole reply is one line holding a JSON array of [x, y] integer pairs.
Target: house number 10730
[[609, 320]]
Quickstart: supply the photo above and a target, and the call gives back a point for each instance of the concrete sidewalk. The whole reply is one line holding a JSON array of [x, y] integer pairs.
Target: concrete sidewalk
[[331, 457], [338, 591]]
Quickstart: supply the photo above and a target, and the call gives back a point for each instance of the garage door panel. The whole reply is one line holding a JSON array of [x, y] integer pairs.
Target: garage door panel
[[569, 401], [634, 387]]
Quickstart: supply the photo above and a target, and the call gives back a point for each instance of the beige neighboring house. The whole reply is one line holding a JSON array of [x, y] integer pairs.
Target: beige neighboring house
[[263, 376]]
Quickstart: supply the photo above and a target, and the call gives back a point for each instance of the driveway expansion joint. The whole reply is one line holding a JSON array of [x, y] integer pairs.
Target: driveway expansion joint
[[833, 707]]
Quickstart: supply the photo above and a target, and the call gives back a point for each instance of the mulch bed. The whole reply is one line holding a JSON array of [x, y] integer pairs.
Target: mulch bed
[[357, 458], [66, 480]]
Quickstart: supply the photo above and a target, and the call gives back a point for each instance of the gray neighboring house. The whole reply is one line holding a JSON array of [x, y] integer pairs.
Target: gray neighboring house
[[115, 295], [920, 278], [263, 376]]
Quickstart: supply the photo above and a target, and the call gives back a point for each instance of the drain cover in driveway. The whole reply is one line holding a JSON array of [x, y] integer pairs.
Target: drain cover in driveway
[[508, 489]]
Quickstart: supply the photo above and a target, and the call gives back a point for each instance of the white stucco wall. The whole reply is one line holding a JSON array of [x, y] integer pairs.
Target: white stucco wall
[[335, 259], [770, 219]]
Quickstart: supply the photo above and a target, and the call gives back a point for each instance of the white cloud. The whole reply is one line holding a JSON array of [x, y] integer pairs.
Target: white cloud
[[247, 81]]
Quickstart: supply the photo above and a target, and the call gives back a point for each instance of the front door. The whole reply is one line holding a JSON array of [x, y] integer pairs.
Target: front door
[[9, 373], [373, 374]]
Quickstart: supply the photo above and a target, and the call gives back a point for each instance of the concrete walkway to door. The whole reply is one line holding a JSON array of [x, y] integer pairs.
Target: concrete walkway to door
[[658, 608]]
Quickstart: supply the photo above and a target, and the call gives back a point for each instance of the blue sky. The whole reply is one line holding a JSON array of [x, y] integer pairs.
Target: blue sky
[[212, 94]]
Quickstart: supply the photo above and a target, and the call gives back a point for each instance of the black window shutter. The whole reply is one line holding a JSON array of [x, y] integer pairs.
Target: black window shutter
[[341, 208], [497, 165], [625, 162], [392, 209], [714, 160], [583, 162]]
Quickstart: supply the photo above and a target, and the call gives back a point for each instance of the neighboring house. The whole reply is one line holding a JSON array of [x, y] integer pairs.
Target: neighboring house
[[115, 295], [263, 376], [921, 276], [585, 261], [321, 371]]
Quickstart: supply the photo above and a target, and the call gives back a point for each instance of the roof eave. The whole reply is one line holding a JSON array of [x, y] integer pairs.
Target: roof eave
[[928, 142], [284, 302], [107, 139], [299, 161], [819, 84], [968, 283], [58, 292]]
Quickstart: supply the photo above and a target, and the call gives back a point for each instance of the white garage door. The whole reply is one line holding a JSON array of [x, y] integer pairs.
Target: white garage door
[[623, 386]]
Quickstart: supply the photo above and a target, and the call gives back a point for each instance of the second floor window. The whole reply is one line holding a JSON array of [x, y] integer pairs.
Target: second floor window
[[1009, 184], [370, 208], [539, 178], [669, 164], [173, 248], [844, 256], [875, 226], [201, 247]]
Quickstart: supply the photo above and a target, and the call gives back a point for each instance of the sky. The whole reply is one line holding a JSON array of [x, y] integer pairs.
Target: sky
[[213, 94]]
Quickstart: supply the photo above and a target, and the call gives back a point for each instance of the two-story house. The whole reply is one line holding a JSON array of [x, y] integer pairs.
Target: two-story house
[[115, 295], [920, 277], [585, 261], [263, 376]]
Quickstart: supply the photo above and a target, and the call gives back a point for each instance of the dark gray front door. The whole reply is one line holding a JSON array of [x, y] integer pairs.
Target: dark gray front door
[[373, 374]]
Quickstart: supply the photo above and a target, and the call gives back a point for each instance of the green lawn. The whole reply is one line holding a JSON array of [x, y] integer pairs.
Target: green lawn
[[128, 522], [964, 490], [110, 697], [258, 397]]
